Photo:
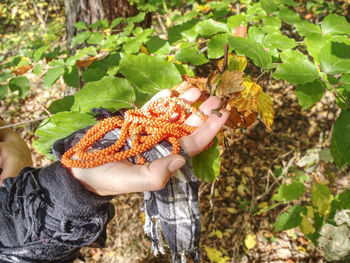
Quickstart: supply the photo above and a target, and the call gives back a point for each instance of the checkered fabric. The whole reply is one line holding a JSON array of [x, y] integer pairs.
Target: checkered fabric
[[172, 214]]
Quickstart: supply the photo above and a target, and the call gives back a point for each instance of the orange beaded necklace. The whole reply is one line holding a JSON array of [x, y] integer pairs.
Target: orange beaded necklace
[[145, 127]]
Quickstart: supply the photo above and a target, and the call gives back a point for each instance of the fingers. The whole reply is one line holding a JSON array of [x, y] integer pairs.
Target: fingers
[[212, 103], [124, 177], [204, 134]]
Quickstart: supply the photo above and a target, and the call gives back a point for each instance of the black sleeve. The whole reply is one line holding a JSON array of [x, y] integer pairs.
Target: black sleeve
[[46, 216]]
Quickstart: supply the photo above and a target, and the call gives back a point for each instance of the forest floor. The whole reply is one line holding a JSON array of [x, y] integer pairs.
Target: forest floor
[[245, 184]]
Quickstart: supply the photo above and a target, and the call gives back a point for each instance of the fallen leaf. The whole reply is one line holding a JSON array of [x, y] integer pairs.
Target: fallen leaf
[[250, 241], [84, 63], [21, 70], [215, 255], [218, 233]]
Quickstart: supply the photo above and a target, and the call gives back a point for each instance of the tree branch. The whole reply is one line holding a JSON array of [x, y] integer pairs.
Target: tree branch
[[22, 122], [336, 91]]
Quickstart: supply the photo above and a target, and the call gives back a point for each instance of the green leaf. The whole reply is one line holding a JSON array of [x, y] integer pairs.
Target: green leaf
[[252, 50], [4, 76], [64, 104], [52, 76], [256, 34], [288, 15], [306, 28], [93, 75], [189, 53], [110, 64], [59, 126], [341, 135], [216, 46], [132, 46], [80, 25], [234, 21], [116, 22], [334, 58], [80, 38], [336, 154], [272, 21], [289, 192], [71, 76], [137, 19], [95, 38], [20, 84], [314, 43], [296, 71], [290, 219], [103, 24], [184, 69], [38, 69], [279, 41], [269, 6], [310, 93], [185, 31], [290, 53], [159, 46], [345, 79], [3, 90], [39, 52], [149, 74], [206, 165], [210, 27], [111, 93], [335, 24], [321, 199]]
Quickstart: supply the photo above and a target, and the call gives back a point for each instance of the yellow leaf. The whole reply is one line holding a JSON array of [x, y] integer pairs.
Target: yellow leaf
[[234, 62], [231, 210], [265, 109], [250, 241], [263, 205], [306, 226], [251, 89], [144, 50], [215, 255], [301, 249], [218, 233]]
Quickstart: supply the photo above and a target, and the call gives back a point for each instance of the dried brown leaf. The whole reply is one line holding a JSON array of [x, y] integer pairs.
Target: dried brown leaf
[[21, 70], [230, 83]]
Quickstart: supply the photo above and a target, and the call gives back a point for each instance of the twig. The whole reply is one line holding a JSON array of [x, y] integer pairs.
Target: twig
[[161, 24], [211, 194], [43, 108], [22, 122], [336, 91], [39, 16]]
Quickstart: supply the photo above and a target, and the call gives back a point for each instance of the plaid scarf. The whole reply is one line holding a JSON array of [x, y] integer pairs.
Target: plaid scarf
[[171, 213]]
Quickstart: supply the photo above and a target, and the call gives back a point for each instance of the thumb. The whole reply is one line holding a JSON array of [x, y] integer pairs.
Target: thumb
[[160, 170]]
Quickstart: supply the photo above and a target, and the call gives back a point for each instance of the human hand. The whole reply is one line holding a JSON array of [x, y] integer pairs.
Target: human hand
[[14, 154], [124, 177]]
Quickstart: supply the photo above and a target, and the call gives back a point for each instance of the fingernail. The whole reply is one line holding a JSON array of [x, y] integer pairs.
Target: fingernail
[[176, 165]]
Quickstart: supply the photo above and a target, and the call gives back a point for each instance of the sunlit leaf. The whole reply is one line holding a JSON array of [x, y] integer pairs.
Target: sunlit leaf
[[265, 109], [110, 92], [149, 74], [321, 199], [290, 219]]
